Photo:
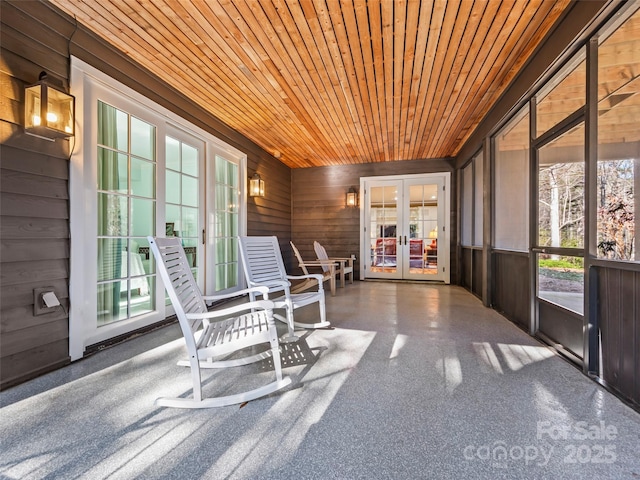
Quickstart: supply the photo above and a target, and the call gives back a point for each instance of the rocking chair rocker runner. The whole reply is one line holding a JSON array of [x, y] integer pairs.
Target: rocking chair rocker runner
[[209, 334], [263, 265]]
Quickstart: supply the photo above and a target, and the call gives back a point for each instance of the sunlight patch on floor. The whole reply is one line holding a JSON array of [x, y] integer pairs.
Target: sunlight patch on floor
[[519, 356], [250, 455], [398, 344], [487, 356]]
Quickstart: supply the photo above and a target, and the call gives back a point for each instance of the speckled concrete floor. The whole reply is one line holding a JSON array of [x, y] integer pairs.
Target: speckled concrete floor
[[413, 382]]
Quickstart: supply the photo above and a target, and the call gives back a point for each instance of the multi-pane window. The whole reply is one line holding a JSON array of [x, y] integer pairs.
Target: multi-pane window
[[227, 219], [126, 214]]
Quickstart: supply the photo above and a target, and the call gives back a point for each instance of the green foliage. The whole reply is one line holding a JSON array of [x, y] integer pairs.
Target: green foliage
[[562, 263]]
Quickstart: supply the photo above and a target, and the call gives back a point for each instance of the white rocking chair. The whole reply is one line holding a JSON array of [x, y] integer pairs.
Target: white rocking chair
[[263, 265], [312, 282], [209, 334], [345, 265]]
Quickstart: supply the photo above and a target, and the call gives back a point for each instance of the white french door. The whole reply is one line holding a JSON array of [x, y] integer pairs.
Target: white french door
[[140, 170], [405, 227]]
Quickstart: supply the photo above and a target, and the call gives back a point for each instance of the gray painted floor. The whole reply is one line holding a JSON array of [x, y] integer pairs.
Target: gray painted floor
[[414, 381]]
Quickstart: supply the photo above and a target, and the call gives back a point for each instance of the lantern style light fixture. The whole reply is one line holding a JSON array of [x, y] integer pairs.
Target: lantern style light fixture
[[352, 197], [48, 111], [256, 186]]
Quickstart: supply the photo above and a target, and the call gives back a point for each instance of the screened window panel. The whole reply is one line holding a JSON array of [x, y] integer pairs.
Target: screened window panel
[[618, 169], [467, 205], [478, 206], [511, 225]]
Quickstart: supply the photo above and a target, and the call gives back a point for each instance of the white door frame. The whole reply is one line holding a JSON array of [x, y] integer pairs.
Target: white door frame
[[444, 223]]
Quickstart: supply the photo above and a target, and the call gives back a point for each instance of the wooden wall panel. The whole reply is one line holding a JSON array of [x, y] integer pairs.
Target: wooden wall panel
[[511, 287], [466, 268], [471, 270], [619, 317], [319, 211], [477, 279]]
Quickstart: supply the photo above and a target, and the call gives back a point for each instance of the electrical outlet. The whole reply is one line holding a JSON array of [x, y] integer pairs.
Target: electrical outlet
[[39, 305]]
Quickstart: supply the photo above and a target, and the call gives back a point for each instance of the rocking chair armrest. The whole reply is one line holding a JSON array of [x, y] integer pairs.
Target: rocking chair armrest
[[317, 276], [224, 312], [312, 264], [261, 290]]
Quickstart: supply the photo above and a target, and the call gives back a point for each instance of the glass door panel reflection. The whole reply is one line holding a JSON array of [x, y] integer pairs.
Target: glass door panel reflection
[[383, 229], [422, 201]]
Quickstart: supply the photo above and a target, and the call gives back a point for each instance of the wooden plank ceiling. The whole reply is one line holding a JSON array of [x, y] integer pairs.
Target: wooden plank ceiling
[[328, 82]]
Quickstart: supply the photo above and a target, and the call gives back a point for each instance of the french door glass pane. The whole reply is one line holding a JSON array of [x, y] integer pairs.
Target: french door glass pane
[[126, 214], [143, 139], [172, 153], [561, 191], [189, 160], [143, 178], [423, 229], [173, 194], [383, 228], [189, 191], [182, 196], [113, 174]]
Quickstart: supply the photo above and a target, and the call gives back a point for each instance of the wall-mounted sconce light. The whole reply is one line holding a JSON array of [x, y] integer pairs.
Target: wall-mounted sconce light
[[48, 111], [352, 197], [256, 186]]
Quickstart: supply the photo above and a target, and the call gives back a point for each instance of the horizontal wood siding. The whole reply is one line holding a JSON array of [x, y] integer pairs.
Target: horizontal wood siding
[[319, 211], [619, 318], [271, 214], [511, 287], [34, 201], [34, 174]]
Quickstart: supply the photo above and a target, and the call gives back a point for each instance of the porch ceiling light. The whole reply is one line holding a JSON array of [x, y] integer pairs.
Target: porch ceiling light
[[48, 111], [256, 186]]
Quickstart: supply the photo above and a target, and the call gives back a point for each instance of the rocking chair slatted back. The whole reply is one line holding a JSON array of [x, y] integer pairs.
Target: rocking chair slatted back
[[185, 295], [265, 259]]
